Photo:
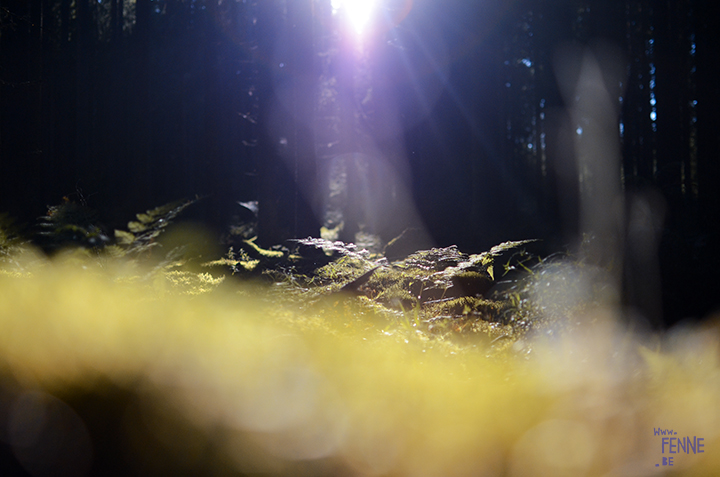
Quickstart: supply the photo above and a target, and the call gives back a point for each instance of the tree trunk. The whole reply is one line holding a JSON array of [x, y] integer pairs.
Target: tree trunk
[[288, 182]]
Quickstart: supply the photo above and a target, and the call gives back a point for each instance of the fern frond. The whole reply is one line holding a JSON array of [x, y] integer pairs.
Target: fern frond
[[141, 234]]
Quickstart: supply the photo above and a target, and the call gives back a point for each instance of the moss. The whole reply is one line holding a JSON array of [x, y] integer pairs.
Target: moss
[[235, 262], [255, 250], [488, 310], [189, 283]]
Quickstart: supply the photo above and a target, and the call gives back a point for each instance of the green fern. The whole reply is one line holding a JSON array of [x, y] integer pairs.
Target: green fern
[[142, 234], [70, 224]]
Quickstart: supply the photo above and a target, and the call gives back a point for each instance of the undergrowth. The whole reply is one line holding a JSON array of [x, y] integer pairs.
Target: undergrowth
[[321, 358]]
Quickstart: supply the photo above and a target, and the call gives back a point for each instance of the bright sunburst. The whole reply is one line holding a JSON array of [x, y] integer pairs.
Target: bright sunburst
[[357, 12]]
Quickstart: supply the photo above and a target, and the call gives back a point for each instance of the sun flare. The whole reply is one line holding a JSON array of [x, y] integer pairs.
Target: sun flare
[[357, 12]]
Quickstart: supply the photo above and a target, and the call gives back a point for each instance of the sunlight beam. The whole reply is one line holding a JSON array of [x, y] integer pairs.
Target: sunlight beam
[[357, 12]]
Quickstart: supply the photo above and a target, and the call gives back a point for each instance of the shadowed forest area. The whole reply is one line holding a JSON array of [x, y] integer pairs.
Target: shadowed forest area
[[468, 119]]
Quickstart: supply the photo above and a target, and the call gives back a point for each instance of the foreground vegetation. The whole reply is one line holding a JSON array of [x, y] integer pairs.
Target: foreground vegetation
[[138, 356]]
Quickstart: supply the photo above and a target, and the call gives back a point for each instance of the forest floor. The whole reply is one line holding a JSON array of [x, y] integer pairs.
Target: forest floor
[[323, 358]]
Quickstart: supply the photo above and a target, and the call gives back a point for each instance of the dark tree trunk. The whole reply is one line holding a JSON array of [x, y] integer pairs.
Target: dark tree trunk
[[84, 88], [141, 182], [287, 168], [707, 21], [305, 93], [116, 19]]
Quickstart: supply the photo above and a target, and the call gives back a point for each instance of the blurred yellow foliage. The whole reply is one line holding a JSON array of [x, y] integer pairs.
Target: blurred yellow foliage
[[222, 379]]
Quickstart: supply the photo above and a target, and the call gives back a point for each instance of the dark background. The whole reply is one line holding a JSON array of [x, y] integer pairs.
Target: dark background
[[126, 106]]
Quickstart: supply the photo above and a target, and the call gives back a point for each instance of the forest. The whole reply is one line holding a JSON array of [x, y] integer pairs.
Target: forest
[[359, 238], [454, 116]]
